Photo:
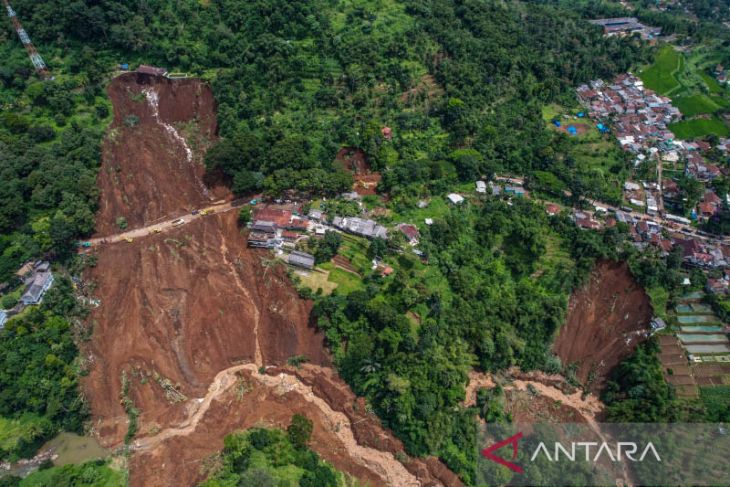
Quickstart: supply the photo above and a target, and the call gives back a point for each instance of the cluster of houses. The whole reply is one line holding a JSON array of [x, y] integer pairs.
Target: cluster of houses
[[696, 252], [360, 227], [639, 116], [623, 26], [280, 228], [639, 119], [273, 227], [37, 278]]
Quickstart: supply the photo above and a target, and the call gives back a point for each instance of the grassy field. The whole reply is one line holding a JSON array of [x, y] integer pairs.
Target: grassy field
[[659, 298], [696, 104], [437, 208], [700, 127], [317, 279], [660, 76], [345, 281]]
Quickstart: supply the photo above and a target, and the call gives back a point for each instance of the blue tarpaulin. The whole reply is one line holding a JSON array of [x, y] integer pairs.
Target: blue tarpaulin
[[581, 114], [556, 122], [572, 130]]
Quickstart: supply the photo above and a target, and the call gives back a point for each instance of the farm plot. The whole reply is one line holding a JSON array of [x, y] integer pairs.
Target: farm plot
[[696, 104], [699, 127], [715, 348], [690, 319], [701, 329], [701, 338], [660, 76]]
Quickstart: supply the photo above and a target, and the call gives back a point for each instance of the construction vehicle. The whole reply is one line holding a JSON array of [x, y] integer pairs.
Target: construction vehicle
[[35, 58], [129, 239], [156, 230], [205, 212]]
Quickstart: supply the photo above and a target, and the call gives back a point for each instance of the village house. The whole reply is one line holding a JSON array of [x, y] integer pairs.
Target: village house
[[552, 209], [301, 259], [515, 190], [481, 187], [38, 282], [717, 286], [411, 233], [359, 226], [622, 26], [315, 215]]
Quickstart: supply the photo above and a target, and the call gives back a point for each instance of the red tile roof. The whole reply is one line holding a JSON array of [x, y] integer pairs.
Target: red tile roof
[[281, 218]]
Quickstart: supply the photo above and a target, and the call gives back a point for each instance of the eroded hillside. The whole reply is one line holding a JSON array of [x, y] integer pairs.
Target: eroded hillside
[[607, 318], [189, 317]]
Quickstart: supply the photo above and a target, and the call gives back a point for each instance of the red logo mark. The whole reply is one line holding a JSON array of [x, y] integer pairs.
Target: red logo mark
[[514, 439]]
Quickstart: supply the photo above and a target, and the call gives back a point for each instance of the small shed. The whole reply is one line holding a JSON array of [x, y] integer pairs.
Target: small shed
[[454, 198], [481, 187]]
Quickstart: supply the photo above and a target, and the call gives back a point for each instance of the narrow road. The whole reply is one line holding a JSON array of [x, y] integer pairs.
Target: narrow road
[[162, 226]]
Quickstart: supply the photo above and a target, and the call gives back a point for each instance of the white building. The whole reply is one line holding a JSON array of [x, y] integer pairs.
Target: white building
[[456, 199]]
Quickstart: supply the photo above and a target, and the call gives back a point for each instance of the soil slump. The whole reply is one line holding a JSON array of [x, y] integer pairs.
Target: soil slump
[[148, 169], [189, 316], [607, 318]]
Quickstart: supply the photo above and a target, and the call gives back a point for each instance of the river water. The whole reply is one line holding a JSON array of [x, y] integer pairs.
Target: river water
[[64, 449]]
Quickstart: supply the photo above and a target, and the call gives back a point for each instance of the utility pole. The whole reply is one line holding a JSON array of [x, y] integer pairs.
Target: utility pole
[[35, 58]]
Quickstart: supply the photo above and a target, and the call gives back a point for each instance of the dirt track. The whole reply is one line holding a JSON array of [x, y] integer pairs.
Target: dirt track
[[607, 318], [187, 315]]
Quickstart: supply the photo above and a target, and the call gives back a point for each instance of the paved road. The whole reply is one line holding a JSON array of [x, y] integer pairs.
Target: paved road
[[670, 226], [163, 226]]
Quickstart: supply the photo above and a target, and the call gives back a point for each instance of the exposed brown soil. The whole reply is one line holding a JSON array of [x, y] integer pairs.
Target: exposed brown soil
[[343, 434], [344, 264], [353, 160], [607, 318], [426, 87], [146, 172], [188, 316], [554, 400]]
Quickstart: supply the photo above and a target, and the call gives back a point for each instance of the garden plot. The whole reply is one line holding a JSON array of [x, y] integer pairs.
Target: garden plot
[[701, 329], [714, 348], [690, 319], [701, 338]]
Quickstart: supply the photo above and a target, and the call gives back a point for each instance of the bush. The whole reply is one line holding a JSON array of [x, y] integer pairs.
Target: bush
[[300, 430], [244, 215], [131, 120], [8, 301], [41, 133]]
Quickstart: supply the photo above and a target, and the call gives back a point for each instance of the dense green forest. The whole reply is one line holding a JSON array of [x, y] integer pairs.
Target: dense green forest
[[261, 456], [492, 296], [38, 374]]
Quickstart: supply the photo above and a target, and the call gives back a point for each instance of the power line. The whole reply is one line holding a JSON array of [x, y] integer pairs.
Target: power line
[[35, 58]]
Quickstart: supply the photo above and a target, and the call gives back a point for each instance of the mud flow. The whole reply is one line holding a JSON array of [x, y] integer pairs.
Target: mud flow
[[193, 329]]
